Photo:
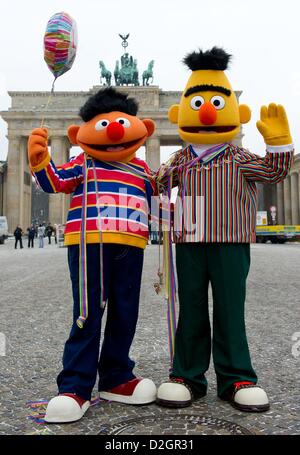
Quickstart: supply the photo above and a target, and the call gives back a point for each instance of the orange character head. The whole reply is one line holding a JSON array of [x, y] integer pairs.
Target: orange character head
[[111, 131]]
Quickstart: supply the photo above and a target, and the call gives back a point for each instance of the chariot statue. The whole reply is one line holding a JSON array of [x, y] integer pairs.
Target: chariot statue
[[126, 70], [127, 73]]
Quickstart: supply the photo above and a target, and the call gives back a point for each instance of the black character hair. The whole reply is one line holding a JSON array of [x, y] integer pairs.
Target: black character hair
[[108, 100], [214, 59]]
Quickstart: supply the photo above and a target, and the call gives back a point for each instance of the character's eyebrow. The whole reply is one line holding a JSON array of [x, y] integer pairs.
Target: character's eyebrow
[[207, 88]]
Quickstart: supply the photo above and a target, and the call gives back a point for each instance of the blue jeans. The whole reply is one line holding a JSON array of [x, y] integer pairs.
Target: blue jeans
[[122, 266]]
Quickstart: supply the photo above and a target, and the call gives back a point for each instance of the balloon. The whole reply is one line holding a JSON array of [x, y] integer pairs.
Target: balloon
[[60, 43]]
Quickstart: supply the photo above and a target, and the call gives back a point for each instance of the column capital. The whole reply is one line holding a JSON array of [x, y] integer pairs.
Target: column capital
[[58, 137], [14, 137], [153, 138]]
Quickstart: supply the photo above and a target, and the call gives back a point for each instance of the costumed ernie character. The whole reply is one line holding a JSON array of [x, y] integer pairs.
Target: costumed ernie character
[[219, 181], [106, 233]]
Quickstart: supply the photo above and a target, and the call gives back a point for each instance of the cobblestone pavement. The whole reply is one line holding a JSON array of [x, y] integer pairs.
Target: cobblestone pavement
[[35, 303]]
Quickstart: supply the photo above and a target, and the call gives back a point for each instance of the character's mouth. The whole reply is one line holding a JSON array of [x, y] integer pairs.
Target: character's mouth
[[112, 147], [208, 129]]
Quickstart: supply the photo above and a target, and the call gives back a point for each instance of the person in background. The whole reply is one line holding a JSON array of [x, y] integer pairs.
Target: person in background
[[31, 235], [41, 234], [18, 236], [55, 233], [49, 230]]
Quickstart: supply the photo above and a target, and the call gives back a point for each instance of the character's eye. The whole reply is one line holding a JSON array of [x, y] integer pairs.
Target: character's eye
[[196, 102], [218, 102], [103, 123], [123, 121]]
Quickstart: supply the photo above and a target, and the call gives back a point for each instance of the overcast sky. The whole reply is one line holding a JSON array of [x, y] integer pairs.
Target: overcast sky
[[262, 35]]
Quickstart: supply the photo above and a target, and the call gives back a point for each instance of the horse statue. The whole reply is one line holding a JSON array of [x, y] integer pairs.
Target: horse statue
[[117, 73], [148, 74], [105, 74], [135, 72]]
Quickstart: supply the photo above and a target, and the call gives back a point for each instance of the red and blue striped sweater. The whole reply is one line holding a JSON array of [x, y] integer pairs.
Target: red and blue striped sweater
[[120, 192]]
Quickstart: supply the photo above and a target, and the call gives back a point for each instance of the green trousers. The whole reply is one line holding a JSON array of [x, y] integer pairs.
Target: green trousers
[[225, 266]]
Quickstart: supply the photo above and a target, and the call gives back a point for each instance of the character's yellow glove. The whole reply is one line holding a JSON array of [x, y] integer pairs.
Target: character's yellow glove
[[273, 125]]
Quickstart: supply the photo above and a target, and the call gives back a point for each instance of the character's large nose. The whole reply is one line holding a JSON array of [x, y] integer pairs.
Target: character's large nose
[[207, 114], [115, 131]]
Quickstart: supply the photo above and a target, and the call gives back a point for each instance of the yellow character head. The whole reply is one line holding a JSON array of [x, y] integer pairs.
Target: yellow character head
[[208, 112]]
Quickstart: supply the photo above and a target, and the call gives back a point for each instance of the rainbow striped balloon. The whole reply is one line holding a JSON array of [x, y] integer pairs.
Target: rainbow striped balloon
[[60, 43]]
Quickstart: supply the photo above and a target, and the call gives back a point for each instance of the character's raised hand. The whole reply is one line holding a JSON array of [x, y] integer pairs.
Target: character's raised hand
[[273, 125], [37, 146]]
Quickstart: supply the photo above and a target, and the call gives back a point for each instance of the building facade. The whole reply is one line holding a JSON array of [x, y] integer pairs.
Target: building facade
[[284, 196]]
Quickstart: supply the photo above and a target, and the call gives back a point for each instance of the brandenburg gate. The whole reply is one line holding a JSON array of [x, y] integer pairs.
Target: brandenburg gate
[[29, 108]]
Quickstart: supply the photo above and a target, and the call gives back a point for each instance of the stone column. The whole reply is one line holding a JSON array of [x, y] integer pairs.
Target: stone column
[[58, 202], [295, 197], [13, 182], [4, 189], [279, 203], [25, 191], [287, 200], [299, 193], [153, 152], [1, 193]]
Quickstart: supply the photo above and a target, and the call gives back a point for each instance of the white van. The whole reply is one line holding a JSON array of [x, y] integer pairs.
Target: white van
[[3, 229]]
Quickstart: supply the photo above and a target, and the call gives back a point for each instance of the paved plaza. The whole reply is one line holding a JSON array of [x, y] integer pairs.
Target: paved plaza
[[36, 311]]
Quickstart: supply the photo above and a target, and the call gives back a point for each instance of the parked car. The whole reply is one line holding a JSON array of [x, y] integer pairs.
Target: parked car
[[3, 229]]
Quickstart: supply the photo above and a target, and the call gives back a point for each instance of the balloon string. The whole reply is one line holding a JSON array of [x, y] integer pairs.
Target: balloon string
[[48, 102]]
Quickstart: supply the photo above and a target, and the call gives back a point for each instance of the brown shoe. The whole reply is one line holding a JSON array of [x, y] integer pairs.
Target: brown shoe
[[247, 396], [175, 393]]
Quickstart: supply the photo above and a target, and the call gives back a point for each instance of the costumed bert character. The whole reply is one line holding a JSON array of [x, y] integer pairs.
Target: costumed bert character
[[106, 233], [219, 179]]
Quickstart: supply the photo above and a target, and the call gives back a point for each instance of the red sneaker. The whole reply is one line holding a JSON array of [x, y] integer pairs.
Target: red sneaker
[[136, 391]]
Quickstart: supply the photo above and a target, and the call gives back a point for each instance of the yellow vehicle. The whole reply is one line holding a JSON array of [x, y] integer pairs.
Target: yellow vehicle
[[277, 234]]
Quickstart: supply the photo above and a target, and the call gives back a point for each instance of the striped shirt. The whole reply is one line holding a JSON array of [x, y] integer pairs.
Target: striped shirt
[[117, 201], [217, 199]]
